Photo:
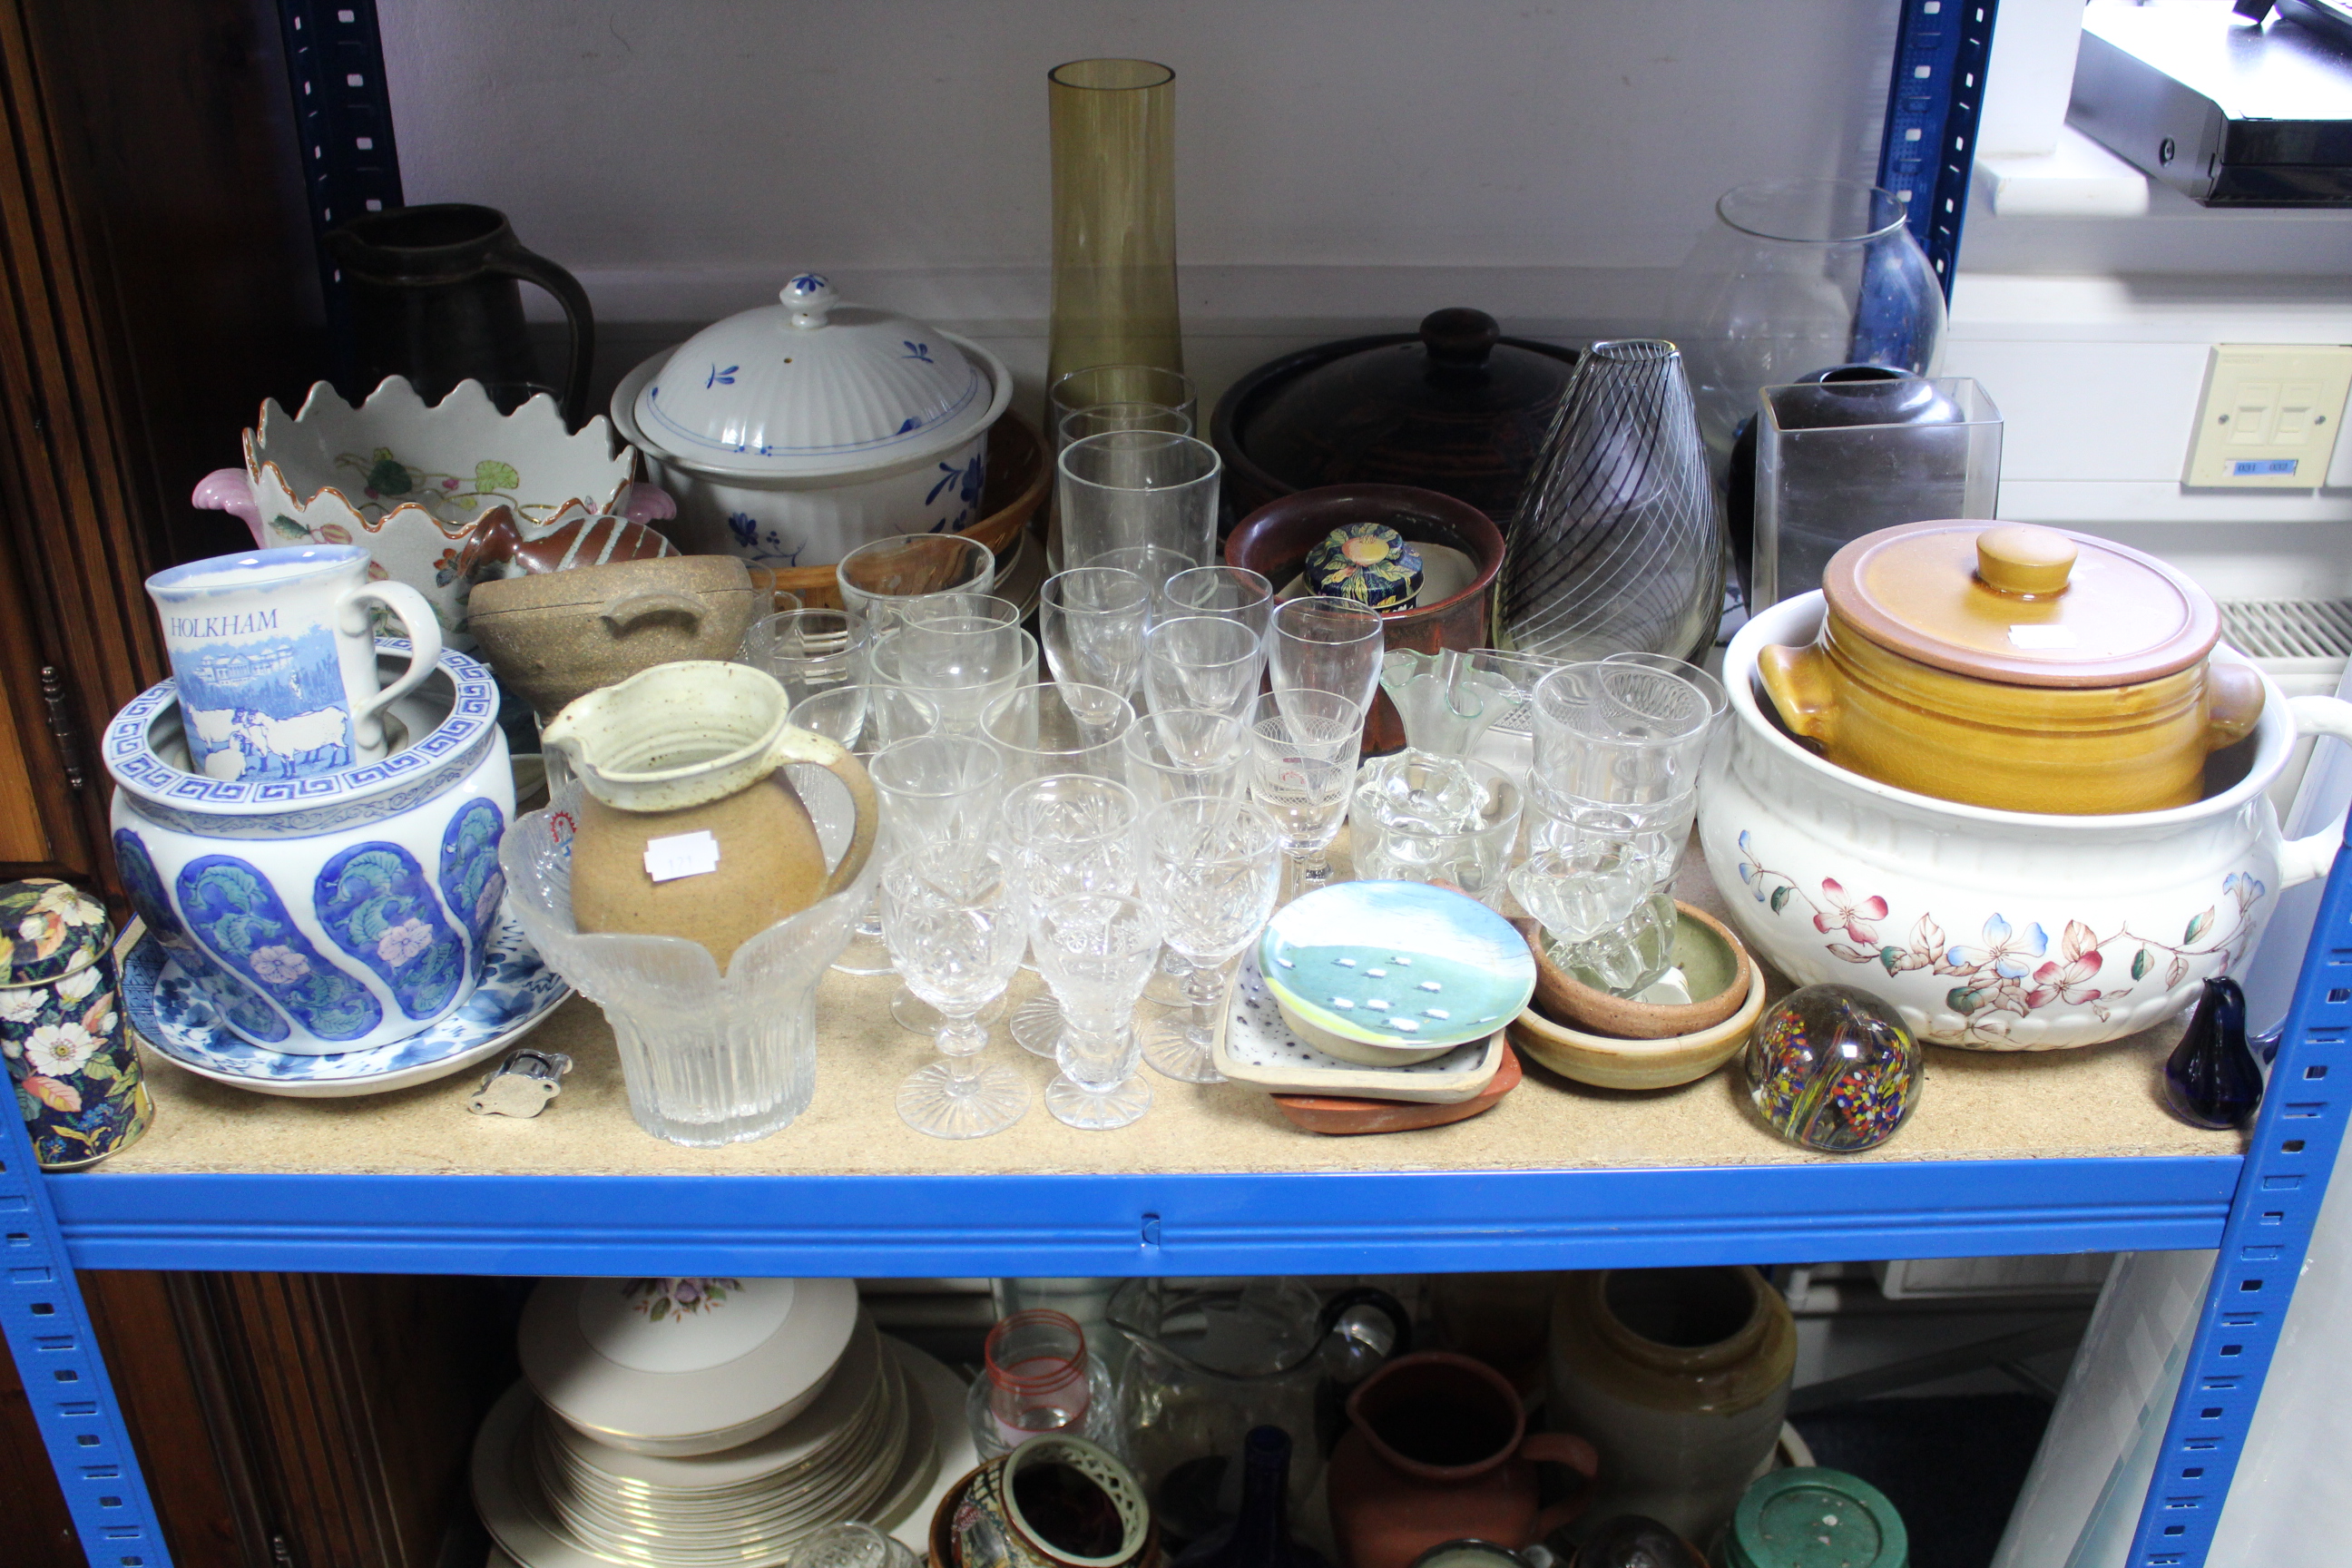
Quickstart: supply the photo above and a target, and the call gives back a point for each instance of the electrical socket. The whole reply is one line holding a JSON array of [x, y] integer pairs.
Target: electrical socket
[[2269, 416]]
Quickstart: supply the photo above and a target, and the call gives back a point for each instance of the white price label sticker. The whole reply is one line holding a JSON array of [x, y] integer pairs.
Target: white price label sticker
[[2035, 638], [681, 855]]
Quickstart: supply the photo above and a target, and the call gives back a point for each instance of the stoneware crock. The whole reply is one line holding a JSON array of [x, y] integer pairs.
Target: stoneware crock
[[1996, 929], [338, 913], [794, 433], [1439, 1449], [554, 637], [688, 825], [1680, 1377], [2014, 667]]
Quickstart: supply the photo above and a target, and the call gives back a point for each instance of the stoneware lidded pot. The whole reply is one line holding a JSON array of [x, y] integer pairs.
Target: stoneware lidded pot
[[2014, 667], [77, 1078], [1991, 929], [794, 433], [336, 912]]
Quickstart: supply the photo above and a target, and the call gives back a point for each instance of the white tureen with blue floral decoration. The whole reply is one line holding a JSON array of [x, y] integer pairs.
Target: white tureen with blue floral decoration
[[794, 433]]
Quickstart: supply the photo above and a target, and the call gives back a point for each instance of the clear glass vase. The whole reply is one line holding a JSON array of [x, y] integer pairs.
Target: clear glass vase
[[1618, 544], [1797, 276], [1114, 133], [709, 1059]]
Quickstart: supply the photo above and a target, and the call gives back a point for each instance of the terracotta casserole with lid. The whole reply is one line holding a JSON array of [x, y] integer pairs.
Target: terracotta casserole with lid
[[2018, 668]]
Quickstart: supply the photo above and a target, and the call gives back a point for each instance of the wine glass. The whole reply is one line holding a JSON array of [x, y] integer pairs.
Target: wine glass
[[863, 718], [1073, 833], [1177, 753], [939, 795], [1202, 661], [1095, 949], [1303, 747], [1322, 644], [1210, 869], [1235, 592], [956, 925], [1091, 621]]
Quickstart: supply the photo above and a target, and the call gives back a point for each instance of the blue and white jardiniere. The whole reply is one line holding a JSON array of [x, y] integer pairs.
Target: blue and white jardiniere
[[338, 913], [274, 651]]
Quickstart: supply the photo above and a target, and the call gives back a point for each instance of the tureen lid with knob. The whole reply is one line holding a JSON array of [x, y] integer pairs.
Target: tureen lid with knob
[[810, 387]]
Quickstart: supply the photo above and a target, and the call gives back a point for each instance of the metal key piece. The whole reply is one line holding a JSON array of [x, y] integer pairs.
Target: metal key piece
[[522, 1085]]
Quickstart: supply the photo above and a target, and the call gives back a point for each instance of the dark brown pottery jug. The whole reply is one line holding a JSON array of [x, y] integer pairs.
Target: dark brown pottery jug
[[434, 298], [1440, 1451]]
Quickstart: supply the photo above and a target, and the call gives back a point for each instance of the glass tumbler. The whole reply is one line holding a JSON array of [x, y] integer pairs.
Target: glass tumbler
[[807, 651], [865, 718], [1060, 727], [1124, 386], [877, 578], [1034, 1363], [958, 666], [1623, 737], [1129, 488], [1101, 419]]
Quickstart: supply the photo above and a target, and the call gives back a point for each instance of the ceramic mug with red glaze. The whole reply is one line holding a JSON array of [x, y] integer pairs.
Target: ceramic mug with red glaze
[[1439, 1450]]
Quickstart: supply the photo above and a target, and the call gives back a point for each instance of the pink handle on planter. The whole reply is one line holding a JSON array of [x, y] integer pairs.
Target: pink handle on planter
[[225, 490], [642, 502]]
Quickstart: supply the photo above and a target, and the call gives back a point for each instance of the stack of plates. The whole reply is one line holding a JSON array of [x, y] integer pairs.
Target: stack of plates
[[870, 1433]]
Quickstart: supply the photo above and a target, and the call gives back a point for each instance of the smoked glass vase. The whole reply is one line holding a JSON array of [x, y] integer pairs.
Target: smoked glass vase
[[1114, 132]]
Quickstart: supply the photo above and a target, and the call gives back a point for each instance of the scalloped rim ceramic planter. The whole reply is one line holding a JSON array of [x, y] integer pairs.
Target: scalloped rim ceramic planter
[[1986, 929]]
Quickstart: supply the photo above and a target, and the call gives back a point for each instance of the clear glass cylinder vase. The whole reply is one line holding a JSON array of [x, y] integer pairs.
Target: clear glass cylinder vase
[[1795, 277], [1114, 135], [709, 1059]]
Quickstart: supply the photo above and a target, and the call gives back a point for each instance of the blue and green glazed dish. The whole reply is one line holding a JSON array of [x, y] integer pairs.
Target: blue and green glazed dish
[[1389, 973]]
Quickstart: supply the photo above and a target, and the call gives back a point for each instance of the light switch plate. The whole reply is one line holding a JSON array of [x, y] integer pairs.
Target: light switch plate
[[2269, 417]]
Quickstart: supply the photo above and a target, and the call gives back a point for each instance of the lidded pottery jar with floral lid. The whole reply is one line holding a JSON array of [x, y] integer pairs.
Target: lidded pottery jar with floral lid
[[2014, 667]]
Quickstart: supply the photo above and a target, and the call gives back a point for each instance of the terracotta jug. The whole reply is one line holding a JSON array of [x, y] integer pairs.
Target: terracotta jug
[[688, 826], [1439, 1450]]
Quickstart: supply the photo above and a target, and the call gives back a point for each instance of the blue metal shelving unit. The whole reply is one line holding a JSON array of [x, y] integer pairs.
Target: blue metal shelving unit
[[2259, 1210]]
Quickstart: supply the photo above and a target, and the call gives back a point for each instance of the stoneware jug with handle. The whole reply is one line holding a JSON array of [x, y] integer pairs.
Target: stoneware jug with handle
[[1439, 1450], [689, 825]]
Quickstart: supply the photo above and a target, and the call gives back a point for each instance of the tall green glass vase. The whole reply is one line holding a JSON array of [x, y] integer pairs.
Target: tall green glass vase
[[1114, 129]]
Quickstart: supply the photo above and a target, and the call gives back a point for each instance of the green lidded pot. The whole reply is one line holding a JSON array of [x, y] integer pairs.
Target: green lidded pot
[[1815, 1518], [70, 1057]]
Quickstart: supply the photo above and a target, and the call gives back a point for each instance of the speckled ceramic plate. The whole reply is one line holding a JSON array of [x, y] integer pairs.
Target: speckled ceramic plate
[[1381, 972], [517, 991], [1255, 1046]]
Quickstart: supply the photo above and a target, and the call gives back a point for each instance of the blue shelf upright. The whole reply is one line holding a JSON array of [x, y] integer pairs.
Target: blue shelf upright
[[56, 1354]]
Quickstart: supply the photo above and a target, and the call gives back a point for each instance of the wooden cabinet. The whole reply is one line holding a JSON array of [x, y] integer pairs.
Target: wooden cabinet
[[156, 282]]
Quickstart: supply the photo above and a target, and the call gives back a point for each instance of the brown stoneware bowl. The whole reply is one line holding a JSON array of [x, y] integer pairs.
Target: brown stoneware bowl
[[1710, 957]]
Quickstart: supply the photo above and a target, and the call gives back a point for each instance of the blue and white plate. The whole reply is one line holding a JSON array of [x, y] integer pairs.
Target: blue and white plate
[[172, 1014]]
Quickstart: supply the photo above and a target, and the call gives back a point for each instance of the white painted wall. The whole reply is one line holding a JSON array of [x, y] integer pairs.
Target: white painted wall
[[1343, 166]]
